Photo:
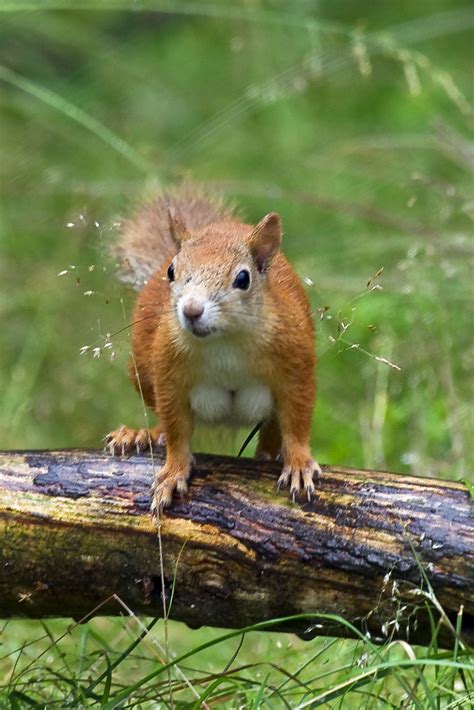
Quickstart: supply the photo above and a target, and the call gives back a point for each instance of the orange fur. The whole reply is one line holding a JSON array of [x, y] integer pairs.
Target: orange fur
[[269, 326]]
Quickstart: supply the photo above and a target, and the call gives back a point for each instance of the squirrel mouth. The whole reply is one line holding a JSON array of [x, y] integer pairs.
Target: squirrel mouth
[[201, 332], [198, 330], [198, 327]]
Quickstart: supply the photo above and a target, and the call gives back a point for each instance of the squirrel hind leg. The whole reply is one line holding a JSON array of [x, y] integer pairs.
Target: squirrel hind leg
[[269, 441], [126, 440]]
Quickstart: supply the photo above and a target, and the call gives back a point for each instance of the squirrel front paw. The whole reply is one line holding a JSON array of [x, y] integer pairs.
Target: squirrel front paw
[[125, 440], [299, 473], [170, 478]]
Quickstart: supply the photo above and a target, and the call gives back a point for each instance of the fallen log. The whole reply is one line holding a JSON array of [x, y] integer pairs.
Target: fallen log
[[372, 547]]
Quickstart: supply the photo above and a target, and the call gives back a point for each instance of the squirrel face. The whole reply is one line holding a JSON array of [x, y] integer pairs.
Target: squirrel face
[[217, 295], [218, 276]]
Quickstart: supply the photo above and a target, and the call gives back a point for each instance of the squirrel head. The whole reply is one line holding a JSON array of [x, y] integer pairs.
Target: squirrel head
[[219, 275]]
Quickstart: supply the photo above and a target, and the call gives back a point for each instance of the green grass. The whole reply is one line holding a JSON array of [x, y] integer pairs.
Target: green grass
[[111, 661], [354, 120]]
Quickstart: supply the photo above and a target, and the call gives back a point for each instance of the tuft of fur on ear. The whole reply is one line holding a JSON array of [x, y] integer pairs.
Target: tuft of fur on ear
[[146, 242], [265, 239], [178, 230]]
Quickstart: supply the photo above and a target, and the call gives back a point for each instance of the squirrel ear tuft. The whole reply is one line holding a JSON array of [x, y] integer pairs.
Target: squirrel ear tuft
[[178, 229], [264, 241]]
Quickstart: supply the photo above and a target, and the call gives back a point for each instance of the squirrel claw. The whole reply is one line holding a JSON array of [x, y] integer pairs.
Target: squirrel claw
[[165, 484], [161, 498], [294, 476], [126, 440], [156, 508], [161, 440], [284, 477], [162, 495]]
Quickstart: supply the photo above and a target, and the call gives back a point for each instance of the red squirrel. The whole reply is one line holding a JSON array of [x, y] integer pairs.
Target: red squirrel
[[222, 333]]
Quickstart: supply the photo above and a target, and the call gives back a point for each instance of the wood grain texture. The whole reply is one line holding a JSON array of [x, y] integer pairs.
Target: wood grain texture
[[75, 529]]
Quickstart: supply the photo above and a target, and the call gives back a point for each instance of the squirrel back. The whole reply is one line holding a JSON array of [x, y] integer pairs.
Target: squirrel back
[[146, 242]]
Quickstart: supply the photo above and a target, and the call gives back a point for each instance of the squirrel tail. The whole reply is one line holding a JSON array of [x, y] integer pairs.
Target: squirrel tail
[[146, 243]]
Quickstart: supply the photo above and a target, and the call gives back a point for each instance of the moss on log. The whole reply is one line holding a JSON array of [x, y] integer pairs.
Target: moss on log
[[75, 529]]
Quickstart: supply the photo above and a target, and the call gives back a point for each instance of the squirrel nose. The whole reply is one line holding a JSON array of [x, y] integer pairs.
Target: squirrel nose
[[193, 310]]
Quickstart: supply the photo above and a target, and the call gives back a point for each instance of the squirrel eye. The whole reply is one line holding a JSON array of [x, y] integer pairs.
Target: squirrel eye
[[170, 272], [242, 280]]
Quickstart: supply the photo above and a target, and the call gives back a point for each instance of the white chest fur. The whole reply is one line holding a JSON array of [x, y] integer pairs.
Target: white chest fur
[[225, 391]]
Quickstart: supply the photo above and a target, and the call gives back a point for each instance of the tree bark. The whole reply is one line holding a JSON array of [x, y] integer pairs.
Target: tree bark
[[76, 536]]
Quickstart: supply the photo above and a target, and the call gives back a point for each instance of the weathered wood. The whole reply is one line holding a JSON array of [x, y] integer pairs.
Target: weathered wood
[[75, 529]]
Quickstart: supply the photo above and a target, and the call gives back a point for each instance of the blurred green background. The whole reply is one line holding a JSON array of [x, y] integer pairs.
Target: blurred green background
[[352, 119]]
